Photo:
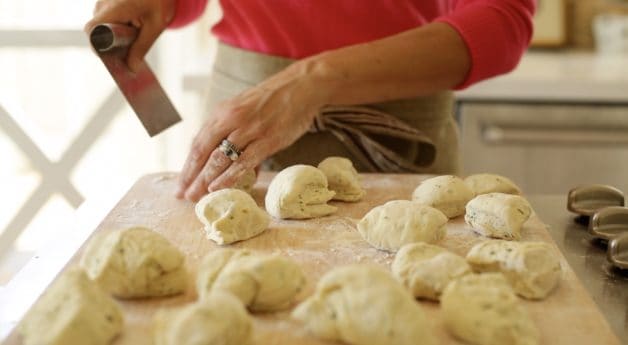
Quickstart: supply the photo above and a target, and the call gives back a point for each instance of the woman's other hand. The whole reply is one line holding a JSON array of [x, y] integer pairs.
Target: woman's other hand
[[260, 122], [150, 17]]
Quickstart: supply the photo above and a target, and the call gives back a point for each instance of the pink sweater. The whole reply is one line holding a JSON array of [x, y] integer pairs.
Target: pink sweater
[[496, 32]]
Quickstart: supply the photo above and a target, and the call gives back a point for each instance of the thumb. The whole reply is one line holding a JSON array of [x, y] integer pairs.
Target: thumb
[[145, 39]]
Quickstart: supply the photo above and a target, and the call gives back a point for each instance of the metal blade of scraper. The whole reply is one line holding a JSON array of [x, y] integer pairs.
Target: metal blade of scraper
[[141, 88]]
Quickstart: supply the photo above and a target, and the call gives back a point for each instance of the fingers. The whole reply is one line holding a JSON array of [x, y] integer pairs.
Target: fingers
[[111, 11], [150, 30], [204, 143], [250, 158], [216, 164], [149, 17], [99, 6]]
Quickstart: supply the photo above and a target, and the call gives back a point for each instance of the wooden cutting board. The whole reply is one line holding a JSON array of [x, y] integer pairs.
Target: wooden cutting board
[[567, 316]]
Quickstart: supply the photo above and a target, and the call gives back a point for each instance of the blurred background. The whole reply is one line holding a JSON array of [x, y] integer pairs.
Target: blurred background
[[67, 136]]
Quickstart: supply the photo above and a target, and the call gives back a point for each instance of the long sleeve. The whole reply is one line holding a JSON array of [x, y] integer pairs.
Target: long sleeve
[[496, 32], [186, 11]]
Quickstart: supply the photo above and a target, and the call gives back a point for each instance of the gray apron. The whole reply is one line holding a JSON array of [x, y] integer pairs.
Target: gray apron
[[236, 70]]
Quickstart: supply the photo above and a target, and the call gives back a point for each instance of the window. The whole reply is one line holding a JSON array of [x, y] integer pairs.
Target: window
[[66, 133]]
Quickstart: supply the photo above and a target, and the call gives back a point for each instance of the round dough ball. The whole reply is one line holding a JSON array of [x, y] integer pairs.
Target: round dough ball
[[426, 269], [446, 193], [399, 222], [217, 319], [491, 183], [135, 262], [482, 309], [231, 215], [261, 282], [532, 268], [72, 311], [343, 178], [363, 305], [498, 215], [299, 192]]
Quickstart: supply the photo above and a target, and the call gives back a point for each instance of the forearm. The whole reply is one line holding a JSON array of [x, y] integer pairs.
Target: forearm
[[414, 63]]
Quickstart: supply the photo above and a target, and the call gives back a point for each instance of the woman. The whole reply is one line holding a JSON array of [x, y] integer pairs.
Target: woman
[[285, 66]]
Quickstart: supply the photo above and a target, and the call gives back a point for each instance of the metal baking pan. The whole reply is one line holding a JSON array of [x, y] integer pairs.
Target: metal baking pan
[[609, 222], [617, 252], [586, 200]]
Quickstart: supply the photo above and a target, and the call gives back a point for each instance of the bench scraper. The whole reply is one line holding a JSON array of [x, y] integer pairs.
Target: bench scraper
[[141, 89]]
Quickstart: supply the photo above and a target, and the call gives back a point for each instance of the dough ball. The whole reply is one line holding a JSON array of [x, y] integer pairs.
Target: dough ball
[[498, 215], [246, 181], [261, 282], [491, 183], [72, 311], [426, 269], [231, 215], [219, 318], [363, 305], [446, 193], [135, 262], [343, 178], [399, 222], [532, 268], [482, 309], [299, 192]]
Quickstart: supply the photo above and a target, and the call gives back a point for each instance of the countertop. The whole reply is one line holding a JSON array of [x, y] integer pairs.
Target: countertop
[[607, 285], [317, 246], [572, 77]]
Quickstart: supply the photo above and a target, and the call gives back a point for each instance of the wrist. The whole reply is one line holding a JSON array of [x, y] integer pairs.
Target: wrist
[[316, 76]]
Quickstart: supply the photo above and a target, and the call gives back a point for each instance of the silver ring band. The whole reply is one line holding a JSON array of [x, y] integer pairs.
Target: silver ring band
[[229, 149]]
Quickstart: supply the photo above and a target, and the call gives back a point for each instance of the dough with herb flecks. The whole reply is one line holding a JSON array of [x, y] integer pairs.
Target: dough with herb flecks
[[261, 282], [219, 318], [363, 305], [399, 222], [532, 268], [343, 179], [491, 183], [446, 193], [426, 269], [231, 215], [498, 215], [72, 311], [482, 309], [135, 262], [299, 192], [246, 181]]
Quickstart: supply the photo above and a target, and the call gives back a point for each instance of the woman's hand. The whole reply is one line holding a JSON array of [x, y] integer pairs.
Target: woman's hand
[[274, 114], [151, 17], [259, 122]]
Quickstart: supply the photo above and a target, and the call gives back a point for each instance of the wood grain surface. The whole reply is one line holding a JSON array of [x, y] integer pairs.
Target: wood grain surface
[[567, 316]]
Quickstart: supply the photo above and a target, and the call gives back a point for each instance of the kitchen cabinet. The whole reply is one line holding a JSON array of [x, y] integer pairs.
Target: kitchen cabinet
[[547, 148], [551, 131]]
